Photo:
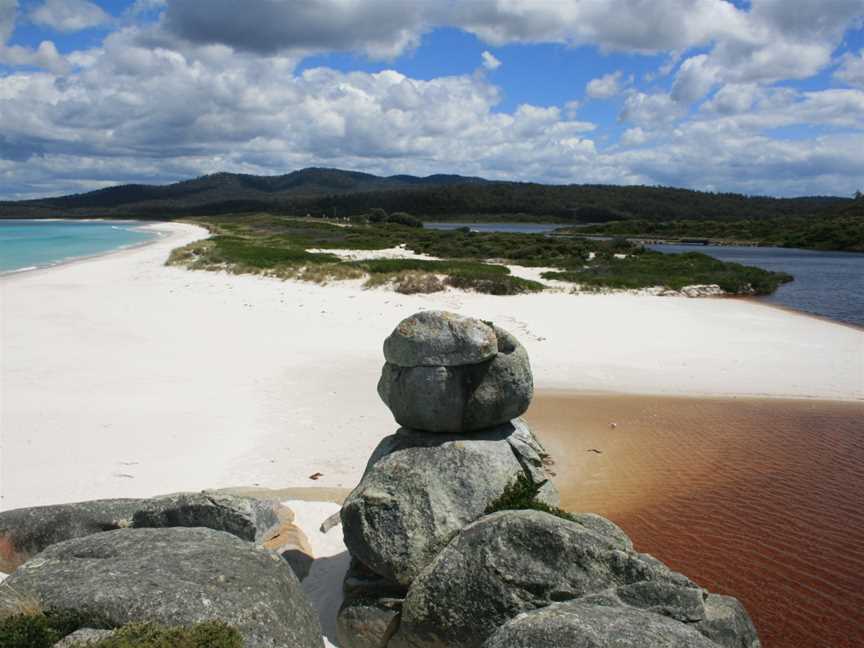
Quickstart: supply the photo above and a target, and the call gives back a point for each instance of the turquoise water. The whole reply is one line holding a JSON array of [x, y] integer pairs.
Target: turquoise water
[[27, 244]]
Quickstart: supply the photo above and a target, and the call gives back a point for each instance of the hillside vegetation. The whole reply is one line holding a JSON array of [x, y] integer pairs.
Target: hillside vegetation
[[333, 192]]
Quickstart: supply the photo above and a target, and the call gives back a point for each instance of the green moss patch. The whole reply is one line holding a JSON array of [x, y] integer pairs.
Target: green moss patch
[[522, 495]]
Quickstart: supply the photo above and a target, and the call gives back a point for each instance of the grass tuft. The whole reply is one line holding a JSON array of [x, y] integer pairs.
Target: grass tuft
[[522, 495]]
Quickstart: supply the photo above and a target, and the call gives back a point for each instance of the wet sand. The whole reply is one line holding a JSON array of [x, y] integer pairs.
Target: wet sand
[[762, 499]]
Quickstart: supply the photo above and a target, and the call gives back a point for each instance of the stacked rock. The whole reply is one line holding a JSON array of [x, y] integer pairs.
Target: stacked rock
[[432, 566]]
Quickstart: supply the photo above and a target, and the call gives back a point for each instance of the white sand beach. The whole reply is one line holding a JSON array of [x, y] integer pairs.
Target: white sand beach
[[124, 377]]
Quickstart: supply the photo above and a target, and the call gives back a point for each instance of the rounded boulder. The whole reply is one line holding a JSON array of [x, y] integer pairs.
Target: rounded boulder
[[458, 398]]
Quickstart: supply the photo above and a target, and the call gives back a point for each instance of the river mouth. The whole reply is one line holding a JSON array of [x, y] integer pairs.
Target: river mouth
[[762, 499]]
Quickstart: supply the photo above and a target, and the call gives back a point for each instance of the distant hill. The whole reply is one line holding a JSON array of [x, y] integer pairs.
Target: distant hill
[[334, 192]]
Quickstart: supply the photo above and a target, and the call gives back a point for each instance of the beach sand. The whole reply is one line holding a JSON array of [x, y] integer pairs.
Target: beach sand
[[123, 377], [761, 499]]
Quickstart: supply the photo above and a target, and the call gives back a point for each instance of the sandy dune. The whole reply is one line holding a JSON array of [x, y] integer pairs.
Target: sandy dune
[[123, 377]]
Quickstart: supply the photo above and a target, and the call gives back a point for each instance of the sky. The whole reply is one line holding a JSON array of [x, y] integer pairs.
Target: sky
[[762, 97]]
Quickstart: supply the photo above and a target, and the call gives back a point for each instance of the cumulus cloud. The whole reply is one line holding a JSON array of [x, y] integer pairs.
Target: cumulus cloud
[[851, 69], [634, 137], [695, 77], [8, 9], [44, 56], [656, 109], [381, 28], [69, 15], [604, 87], [490, 62], [213, 86]]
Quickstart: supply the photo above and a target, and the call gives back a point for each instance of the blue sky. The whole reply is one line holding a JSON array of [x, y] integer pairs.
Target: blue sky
[[762, 97]]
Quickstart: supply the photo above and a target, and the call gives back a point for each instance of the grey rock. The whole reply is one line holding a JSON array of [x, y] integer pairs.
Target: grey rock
[[175, 576], [299, 561], [461, 398], [507, 563], [367, 622], [681, 603], [25, 532], [727, 623], [534, 460], [419, 490], [83, 637], [609, 530], [581, 625], [362, 582], [247, 518], [439, 338]]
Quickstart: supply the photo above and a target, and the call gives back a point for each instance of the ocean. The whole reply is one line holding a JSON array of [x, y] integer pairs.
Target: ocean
[[30, 244]]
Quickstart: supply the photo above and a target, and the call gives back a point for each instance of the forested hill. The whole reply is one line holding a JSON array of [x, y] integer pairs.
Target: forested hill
[[333, 192]]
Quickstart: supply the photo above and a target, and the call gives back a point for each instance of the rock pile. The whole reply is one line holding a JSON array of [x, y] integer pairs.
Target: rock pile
[[432, 567], [175, 560]]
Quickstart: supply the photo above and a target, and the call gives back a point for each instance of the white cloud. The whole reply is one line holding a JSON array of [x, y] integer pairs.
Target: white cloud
[[650, 109], [634, 137], [851, 70], [45, 56], [69, 15], [490, 62], [695, 78], [8, 9], [604, 87]]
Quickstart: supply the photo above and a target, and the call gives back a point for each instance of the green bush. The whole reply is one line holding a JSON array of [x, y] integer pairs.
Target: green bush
[[401, 218], [492, 285], [44, 629], [522, 495], [674, 271]]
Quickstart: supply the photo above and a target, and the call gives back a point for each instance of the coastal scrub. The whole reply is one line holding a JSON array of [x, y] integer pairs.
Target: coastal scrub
[[305, 248]]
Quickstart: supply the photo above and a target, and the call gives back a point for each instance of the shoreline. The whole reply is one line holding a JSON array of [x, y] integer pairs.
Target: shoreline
[[161, 235], [123, 377]]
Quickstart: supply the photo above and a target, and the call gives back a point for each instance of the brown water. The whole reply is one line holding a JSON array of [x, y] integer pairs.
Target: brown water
[[760, 499]]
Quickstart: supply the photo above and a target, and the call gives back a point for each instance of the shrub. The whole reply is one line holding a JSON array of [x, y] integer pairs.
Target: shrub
[[377, 215], [413, 282], [522, 495], [401, 218], [44, 629], [493, 285]]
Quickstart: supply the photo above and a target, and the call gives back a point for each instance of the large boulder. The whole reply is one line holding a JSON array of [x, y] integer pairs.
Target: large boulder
[[583, 625], [439, 338], [25, 532], [447, 373], [175, 576], [512, 562], [420, 489]]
